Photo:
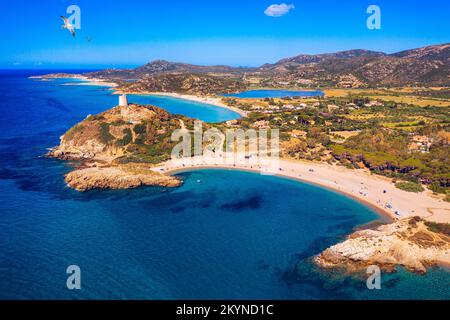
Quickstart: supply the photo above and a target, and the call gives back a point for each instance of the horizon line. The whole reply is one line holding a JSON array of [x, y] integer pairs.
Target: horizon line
[[132, 66]]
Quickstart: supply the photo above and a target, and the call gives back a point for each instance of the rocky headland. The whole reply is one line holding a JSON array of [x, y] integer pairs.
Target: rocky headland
[[117, 177], [117, 148], [411, 243]]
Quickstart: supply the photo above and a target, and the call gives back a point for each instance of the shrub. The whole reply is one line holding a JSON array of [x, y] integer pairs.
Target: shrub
[[127, 138], [70, 134], [443, 228], [140, 129], [437, 188], [118, 123], [105, 136], [410, 187]]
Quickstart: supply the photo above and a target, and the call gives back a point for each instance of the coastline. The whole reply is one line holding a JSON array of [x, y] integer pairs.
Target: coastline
[[383, 213], [217, 102], [335, 186], [359, 185], [93, 82], [85, 81], [375, 191]]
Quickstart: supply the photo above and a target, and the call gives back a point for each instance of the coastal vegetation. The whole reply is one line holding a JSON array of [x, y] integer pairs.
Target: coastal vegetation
[[410, 187], [398, 140], [443, 228], [196, 84]]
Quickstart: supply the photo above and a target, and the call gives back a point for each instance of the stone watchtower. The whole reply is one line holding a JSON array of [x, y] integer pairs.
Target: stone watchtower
[[123, 101]]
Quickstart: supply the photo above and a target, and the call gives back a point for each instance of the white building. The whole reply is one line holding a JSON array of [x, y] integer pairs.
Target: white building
[[123, 101]]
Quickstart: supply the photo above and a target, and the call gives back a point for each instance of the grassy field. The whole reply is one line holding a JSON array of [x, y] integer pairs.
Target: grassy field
[[418, 101], [342, 93], [400, 95]]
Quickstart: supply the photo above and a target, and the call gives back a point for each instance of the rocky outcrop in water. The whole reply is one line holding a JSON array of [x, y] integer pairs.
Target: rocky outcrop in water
[[117, 148], [117, 177], [411, 243]]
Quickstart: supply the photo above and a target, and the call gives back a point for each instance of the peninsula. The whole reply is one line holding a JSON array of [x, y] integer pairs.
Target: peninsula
[[116, 149], [412, 243]]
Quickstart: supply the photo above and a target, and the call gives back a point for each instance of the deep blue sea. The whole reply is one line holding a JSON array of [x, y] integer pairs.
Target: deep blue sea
[[222, 235], [274, 94]]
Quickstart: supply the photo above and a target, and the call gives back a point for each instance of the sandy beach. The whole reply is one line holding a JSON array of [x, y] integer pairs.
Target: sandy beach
[[207, 100], [92, 82], [84, 81], [375, 191]]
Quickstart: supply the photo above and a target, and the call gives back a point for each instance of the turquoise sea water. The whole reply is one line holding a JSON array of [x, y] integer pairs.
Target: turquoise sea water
[[275, 94], [205, 112], [222, 235], [198, 110]]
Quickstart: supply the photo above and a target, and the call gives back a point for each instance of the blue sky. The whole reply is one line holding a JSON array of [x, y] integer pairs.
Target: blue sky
[[133, 32]]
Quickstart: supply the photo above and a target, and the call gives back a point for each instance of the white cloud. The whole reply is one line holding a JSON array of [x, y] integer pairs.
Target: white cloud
[[278, 10]]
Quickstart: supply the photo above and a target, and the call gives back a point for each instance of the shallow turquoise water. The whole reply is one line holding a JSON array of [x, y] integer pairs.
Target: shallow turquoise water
[[275, 94], [205, 112], [222, 235]]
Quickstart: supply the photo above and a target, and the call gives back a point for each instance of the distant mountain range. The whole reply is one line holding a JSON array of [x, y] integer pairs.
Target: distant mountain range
[[354, 68], [189, 83]]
